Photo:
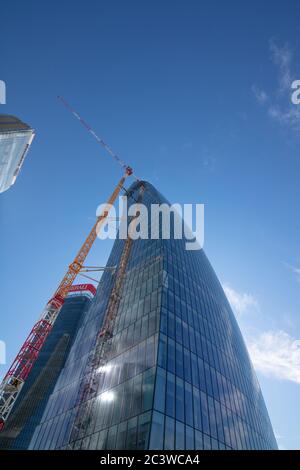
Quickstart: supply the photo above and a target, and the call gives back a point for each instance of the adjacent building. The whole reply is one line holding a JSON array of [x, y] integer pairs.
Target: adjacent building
[[177, 374], [15, 140], [40, 383]]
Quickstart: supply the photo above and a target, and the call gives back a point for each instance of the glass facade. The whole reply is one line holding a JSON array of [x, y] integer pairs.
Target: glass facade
[[40, 383], [178, 375], [15, 139]]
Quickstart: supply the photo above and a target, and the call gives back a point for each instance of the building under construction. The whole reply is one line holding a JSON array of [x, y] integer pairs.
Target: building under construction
[[31, 402], [159, 361]]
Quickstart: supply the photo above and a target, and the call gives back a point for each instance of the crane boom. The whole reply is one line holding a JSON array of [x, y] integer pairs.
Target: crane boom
[[93, 133], [25, 359]]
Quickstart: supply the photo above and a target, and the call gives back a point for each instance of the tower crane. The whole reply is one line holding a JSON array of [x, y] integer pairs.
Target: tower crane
[[99, 354], [18, 372]]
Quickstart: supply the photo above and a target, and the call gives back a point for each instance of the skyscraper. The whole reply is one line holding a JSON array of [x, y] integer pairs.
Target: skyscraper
[[176, 374], [34, 395], [15, 140]]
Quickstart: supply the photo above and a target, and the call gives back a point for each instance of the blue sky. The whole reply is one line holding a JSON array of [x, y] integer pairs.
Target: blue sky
[[195, 96]]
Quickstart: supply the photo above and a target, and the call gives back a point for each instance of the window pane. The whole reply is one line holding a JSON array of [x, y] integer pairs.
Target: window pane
[[198, 440], [131, 434], [143, 430], [179, 399], [204, 410], [179, 436], [189, 438], [171, 355], [111, 438], [206, 442], [148, 387], [93, 441], [157, 431], [169, 433], [102, 440], [170, 399], [197, 408], [179, 360], [160, 390], [187, 365], [162, 352], [212, 418], [121, 437], [189, 405]]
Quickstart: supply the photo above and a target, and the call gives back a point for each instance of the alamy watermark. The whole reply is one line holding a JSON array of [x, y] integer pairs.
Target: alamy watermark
[[2, 352], [2, 92], [295, 97], [159, 221]]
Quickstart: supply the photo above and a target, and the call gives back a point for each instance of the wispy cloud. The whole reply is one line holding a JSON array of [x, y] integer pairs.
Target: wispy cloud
[[276, 354], [294, 269], [289, 116], [259, 94], [278, 101], [209, 161], [241, 302], [282, 57]]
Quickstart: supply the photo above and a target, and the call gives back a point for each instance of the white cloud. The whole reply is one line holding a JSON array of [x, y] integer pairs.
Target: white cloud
[[289, 116], [294, 269], [279, 105], [276, 354], [240, 301], [282, 57], [209, 161], [259, 94]]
